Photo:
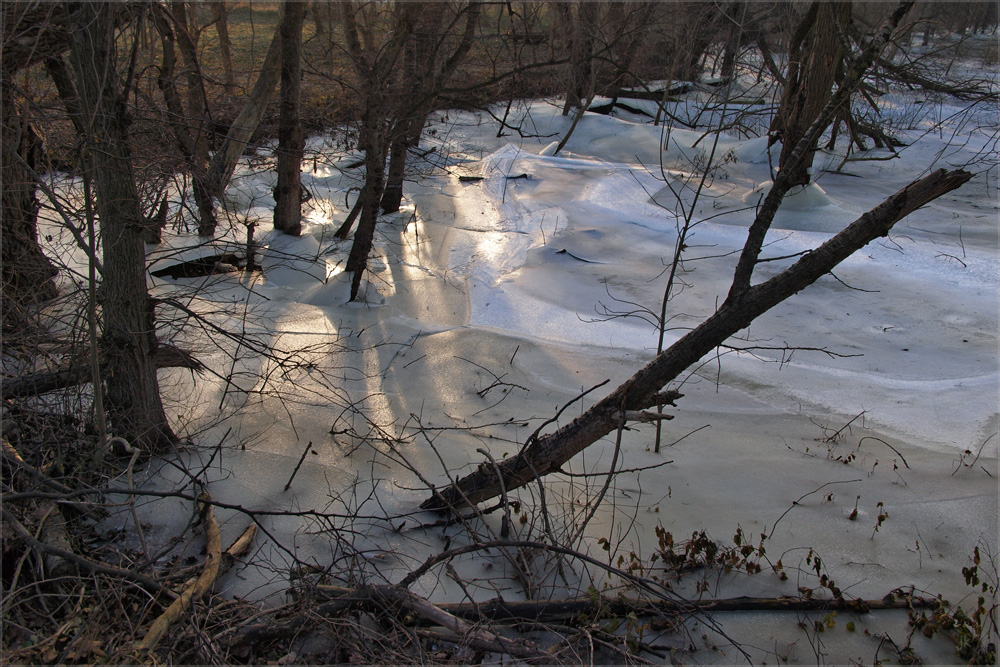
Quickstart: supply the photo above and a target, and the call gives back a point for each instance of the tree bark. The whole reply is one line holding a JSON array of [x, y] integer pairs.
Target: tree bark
[[25, 271], [133, 398], [815, 55], [547, 453], [288, 191]]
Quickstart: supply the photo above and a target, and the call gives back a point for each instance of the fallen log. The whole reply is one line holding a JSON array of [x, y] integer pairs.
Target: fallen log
[[457, 616], [236, 550], [53, 532], [543, 455], [91, 566], [200, 267], [398, 601], [77, 371], [197, 589], [743, 304], [552, 610]]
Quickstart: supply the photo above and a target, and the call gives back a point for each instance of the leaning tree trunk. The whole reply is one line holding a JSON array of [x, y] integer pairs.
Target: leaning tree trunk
[[288, 190], [132, 394], [26, 272], [643, 390]]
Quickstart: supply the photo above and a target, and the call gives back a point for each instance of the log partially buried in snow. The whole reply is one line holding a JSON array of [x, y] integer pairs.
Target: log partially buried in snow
[[199, 267]]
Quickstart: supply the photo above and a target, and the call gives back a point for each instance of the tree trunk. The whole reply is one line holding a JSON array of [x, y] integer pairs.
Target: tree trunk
[[406, 136], [375, 66], [133, 398], [373, 143], [427, 71], [225, 45], [699, 26], [26, 272], [643, 390], [288, 191], [814, 57], [190, 135], [581, 54], [635, 18], [57, 70], [735, 17]]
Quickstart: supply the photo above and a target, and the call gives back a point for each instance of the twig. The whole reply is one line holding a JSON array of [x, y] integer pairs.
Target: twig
[[806, 495], [298, 465], [841, 429], [872, 437]]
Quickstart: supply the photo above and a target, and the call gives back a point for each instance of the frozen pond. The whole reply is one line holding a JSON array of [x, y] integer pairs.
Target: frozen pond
[[491, 304]]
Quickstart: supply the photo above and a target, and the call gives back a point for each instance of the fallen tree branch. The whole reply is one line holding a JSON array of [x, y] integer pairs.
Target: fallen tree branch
[[197, 589], [911, 77], [11, 455], [553, 610], [456, 617], [466, 634], [397, 599], [77, 371], [549, 452], [235, 551]]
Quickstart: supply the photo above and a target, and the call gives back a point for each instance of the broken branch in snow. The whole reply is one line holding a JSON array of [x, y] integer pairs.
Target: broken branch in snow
[[644, 416], [197, 589], [551, 610], [77, 372]]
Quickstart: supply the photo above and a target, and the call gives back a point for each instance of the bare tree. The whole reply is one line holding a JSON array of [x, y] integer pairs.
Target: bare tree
[[220, 11], [428, 67], [224, 160], [190, 128], [374, 64], [30, 34], [26, 272]]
